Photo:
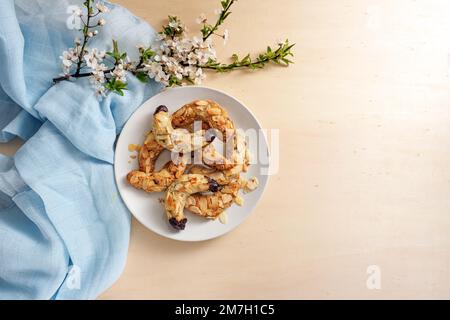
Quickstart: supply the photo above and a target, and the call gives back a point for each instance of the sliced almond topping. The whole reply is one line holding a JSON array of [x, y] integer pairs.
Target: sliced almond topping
[[201, 103], [170, 201], [214, 202], [239, 200], [195, 210], [144, 153], [202, 203], [214, 111], [190, 201], [226, 198], [144, 184], [223, 218]]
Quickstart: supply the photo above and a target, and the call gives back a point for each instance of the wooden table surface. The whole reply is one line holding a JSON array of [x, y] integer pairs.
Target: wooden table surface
[[364, 177]]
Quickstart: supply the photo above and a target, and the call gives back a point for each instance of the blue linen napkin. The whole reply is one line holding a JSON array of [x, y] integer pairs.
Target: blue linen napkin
[[64, 229]]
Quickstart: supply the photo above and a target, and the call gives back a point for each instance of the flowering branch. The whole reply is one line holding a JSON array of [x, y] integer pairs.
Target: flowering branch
[[208, 29], [104, 78], [279, 56], [85, 36], [75, 55], [173, 59]]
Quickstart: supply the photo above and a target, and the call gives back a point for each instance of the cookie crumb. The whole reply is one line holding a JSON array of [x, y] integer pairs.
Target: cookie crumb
[[133, 147]]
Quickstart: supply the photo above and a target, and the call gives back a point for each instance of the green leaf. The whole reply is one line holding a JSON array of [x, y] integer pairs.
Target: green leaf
[[120, 85], [142, 76], [108, 86], [174, 81], [115, 47], [246, 59], [206, 29], [189, 80], [116, 86], [147, 54]]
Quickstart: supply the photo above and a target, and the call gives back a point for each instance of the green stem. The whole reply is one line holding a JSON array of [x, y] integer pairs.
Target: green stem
[[233, 65], [77, 75], [219, 20], [85, 38], [140, 63]]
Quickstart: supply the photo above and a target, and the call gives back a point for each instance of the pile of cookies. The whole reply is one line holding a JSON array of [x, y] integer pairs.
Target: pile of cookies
[[205, 189]]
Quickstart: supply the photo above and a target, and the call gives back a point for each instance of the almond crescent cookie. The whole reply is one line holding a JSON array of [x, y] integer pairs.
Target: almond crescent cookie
[[146, 178], [157, 181], [217, 118], [222, 177], [175, 139], [149, 153], [170, 132], [225, 176], [212, 205], [237, 152], [179, 191], [207, 111]]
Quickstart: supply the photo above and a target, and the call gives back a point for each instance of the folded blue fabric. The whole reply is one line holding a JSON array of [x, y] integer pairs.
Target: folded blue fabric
[[64, 229]]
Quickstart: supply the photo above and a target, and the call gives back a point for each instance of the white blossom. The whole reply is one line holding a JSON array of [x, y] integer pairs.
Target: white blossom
[[101, 22], [162, 77], [179, 58], [69, 58], [93, 58], [99, 72], [98, 79], [199, 76], [226, 36], [101, 7], [76, 11], [100, 92], [160, 37], [192, 58], [173, 24], [155, 71], [196, 41], [152, 69], [201, 19], [119, 73], [128, 64]]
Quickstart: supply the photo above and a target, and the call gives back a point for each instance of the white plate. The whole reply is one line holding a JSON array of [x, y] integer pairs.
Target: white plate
[[145, 206]]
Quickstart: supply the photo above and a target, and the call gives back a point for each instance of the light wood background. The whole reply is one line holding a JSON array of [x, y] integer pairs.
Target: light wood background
[[364, 173]]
